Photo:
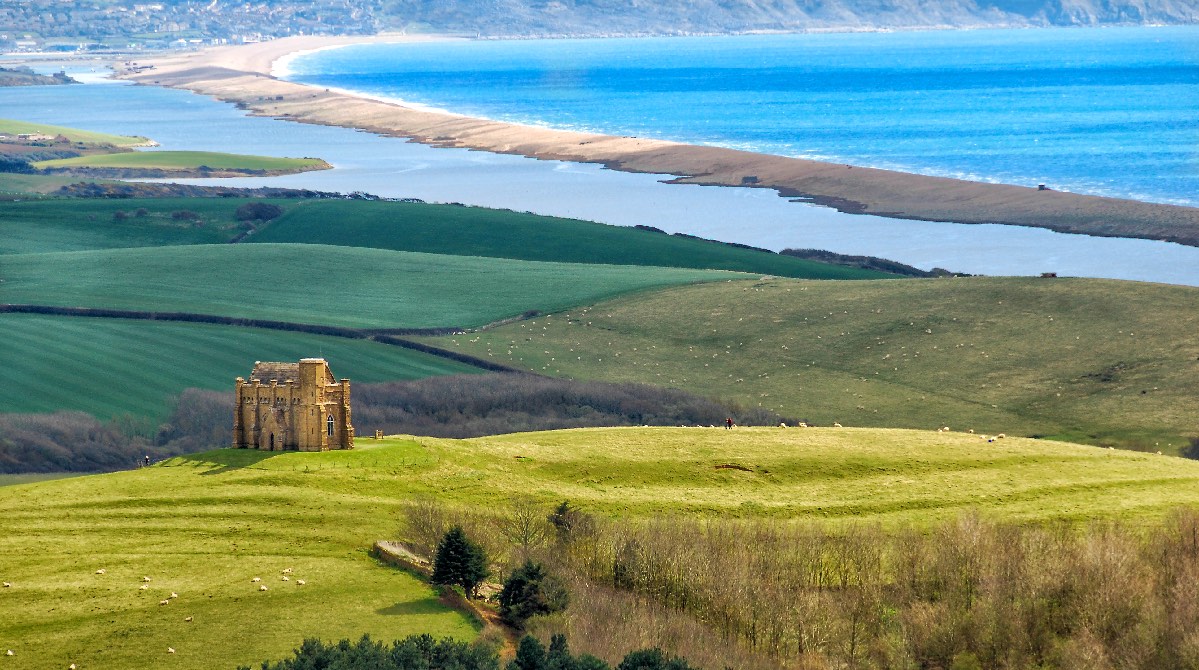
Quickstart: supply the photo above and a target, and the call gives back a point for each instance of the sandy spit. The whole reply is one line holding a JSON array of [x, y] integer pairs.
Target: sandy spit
[[242, 75]]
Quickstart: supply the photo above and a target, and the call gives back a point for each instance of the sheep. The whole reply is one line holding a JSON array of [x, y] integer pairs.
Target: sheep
[[188, 619], [7, 585], [100, 571], [287, 571], [256, 580], [286, 578], [9, 653], [71, 667], [262, 588], [971, 431], [1000, 436], [170, 650], [143, 587], [145, 579], [803, 424], [300, 582], [164, 602], [782, 424], [837, 425], [174, 595]]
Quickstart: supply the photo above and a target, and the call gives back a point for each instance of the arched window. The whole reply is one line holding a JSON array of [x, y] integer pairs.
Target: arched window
[[329, 424]]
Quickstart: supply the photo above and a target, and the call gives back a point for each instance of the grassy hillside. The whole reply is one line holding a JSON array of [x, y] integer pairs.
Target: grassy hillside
[[475, 231], [321, 284], [12, 127], [80, 225], [203, 526], [110, 367], [185, 160], [1096, 361]]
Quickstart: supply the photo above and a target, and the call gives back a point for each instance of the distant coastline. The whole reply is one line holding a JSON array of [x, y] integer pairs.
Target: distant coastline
[[244, 76]]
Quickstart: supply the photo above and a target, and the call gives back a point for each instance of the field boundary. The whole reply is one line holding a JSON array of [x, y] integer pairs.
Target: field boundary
[[388, 336]]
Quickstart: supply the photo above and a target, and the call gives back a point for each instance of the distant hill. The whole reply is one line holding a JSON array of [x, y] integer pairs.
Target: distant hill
[[606, 17]]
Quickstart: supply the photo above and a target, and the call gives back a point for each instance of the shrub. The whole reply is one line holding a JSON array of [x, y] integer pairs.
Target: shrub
[[415, 652], [459, 561], [185, 215], [120, 215], [258, 211], [1190, 450], [530, 591]]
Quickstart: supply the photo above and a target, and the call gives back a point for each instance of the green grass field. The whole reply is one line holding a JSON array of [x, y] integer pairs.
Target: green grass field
[[203, 526], [13, 127], [475, 231], [184, 160], [322, 284], [1094, 361], [81, 225], [110, 367]]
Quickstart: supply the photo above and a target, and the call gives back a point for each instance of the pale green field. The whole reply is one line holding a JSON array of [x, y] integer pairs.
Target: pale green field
[[204, 525], [319, 284], [184, 160], [1095, 361], [12, 127]]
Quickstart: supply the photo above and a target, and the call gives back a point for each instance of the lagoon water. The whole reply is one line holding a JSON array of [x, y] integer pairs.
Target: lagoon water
[[1101, 111], [395, 168]]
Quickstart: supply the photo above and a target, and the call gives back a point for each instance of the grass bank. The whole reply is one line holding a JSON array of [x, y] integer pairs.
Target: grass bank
[[1095, 361], [186, 161], [14, 127]]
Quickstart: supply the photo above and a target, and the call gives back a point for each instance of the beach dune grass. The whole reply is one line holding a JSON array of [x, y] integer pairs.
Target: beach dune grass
[[1096, 361], [203, 526], [116, 367], [319, 284], [185, 160], [14, 127]]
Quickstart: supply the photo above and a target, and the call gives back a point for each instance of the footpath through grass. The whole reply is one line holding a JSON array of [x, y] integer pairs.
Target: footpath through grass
[[317, 284], [1095, 361], [113, 367]]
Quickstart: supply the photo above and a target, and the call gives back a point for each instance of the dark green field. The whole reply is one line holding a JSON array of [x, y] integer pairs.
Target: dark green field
[[475, 231], [112, 367]]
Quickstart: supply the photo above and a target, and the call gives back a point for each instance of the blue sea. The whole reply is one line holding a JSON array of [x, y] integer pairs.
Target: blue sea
[[1103, 111]]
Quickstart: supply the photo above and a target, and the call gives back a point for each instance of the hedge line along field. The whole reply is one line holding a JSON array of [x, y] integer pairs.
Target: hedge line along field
[[475, 231], [13, 127], [203, 526], [318, 284], [184, 160], [1095, 361], [114, 367]]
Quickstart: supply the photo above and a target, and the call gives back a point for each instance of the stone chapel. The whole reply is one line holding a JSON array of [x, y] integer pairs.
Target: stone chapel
[[293, 407]]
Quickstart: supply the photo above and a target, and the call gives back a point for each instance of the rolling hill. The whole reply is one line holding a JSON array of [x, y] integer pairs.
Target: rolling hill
[[1102, 362], [203, 526]]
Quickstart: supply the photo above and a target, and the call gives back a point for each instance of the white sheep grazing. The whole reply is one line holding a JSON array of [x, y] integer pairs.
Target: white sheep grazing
[[71, 667], [782, 424], [145, 579], [143, 587], [164, 602], [174, 595], [287, 571], [837, 425], [100, 571], [803, 424], [971, 431], [286, 578], [256, 580], [170, 650], [9, 653], [301, 582], [262, 588], [1000, 436], [7, 585], [188, 619]]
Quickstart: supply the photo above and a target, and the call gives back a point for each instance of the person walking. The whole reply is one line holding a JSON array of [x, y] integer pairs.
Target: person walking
[[728, 423]]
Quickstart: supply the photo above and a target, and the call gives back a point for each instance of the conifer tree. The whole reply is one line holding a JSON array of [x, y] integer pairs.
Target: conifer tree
[[459, 561]]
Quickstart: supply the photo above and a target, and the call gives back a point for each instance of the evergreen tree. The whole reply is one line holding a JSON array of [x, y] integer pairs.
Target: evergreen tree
[[530, 655], [459, 561], [530, 591]]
